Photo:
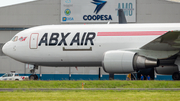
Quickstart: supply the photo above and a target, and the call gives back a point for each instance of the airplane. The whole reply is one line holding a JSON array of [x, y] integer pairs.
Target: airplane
[[118, 48]]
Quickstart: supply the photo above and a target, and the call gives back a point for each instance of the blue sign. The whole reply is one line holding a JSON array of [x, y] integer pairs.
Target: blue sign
[[127, 8], [64, 19], [68, 1], [99, 4]]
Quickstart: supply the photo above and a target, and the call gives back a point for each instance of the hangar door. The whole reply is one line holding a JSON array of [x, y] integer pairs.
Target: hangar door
[[33, 44]]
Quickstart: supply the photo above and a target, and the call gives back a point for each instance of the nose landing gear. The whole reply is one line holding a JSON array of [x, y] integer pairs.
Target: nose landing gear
[[33, 75]]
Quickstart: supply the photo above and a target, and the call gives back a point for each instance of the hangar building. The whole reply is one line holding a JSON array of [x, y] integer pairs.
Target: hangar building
[[18, 17]]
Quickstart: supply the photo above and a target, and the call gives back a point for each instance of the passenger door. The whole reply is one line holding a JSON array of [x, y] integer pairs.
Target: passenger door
[[34, 41]]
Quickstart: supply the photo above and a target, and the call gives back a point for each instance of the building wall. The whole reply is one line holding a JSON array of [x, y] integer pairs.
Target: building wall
[[39, 12], [42, 12], [157, 11]]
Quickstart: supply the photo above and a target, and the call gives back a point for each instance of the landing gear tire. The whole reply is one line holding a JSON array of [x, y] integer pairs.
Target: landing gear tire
[[176, 76], [33, 77]]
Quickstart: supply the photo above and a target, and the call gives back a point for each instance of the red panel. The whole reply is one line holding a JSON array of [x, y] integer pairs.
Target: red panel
[[135, 33]]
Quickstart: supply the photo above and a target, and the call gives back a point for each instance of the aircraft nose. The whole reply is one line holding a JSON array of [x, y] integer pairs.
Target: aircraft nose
[[5, 48]]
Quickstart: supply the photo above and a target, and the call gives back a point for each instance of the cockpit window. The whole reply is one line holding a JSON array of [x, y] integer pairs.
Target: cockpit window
[[15, 38]]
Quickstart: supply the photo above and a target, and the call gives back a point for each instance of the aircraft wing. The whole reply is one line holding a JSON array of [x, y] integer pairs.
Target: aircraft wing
[[169, 41]]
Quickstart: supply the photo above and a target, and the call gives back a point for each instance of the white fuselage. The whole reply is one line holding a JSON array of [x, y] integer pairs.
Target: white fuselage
[[84, 45]]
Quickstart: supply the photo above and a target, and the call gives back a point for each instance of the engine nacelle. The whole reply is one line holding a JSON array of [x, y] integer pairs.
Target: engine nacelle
[[166, 70], [126, 62]]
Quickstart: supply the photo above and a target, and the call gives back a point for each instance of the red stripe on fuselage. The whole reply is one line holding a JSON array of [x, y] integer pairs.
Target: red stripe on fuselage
[[135, 33]]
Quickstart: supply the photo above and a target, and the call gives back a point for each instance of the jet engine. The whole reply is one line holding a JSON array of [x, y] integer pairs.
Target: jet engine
[[126, 62]]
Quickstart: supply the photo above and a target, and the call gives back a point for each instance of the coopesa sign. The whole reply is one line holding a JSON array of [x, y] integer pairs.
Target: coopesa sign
[[99, 4], [97, 17]]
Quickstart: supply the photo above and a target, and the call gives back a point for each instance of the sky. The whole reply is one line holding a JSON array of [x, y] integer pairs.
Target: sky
[[4, 3]]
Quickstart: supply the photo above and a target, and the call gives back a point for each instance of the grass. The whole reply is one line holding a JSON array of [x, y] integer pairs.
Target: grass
[[90, 96], [90, 84]]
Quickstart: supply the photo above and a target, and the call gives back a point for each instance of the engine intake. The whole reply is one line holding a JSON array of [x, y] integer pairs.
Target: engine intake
[[126, 62]]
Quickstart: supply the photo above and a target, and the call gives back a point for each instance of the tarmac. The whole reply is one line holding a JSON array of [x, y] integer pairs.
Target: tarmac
[[59, 89]]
